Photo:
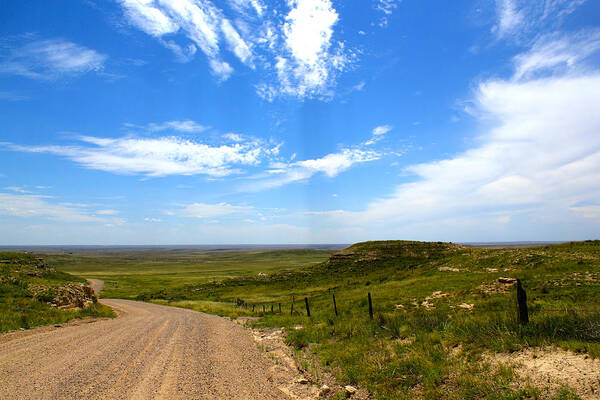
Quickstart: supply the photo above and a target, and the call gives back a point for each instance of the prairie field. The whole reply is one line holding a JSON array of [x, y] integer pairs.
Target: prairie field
[[441, 311]]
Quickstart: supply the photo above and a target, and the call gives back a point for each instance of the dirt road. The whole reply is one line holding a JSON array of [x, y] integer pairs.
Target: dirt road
[[96, 284], [149, 352]]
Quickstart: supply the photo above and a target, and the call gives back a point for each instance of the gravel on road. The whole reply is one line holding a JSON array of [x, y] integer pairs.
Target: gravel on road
[[149, 352]]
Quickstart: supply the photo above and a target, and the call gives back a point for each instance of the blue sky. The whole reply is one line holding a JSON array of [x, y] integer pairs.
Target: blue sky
[[298, 121]]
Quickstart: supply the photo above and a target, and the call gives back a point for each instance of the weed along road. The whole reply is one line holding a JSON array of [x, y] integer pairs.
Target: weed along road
[[148, 352]]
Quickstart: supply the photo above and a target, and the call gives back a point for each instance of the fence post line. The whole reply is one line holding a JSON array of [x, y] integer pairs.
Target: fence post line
[[252, 307], [307, 308], [271, 308], [292, 309], [370, 306], [522, 303], [263, 308], [279, 308], [334, 305]]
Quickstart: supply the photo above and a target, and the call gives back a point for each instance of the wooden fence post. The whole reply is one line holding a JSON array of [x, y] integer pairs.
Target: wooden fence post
[[263, 308], [522, 303], [370, 306], [292, 308], [334, 305], [271, 308], [279, 308], [307, 308], [252, 307]]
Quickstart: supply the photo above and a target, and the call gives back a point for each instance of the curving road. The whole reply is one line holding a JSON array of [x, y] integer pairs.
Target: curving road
[[149, 352]]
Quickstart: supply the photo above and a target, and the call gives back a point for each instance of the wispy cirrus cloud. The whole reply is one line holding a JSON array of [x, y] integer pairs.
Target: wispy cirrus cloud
[[379, 133], [202, 23], [30, 205], [203, 210], [188, 126], [386, 7], [160, 156], [557, 53], [516, 19], [329, 165], [290, 43], [51, 59], [107, 212]]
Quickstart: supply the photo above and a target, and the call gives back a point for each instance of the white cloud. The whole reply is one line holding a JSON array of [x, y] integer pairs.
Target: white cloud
[[158, 156], [310, 59], [237, 45], [149, 18], [378, 133], [17, 189], [359, 86], [386, 7], [50, 59], [234, 137], [27, 205], [149, 219], [552, 53], [201, 22], [381, 130], [535, 166], [509, 18], [591, 212], [297, 52], [179, 126], [202, 210], [519, 18], [330, 165], [107, 212]]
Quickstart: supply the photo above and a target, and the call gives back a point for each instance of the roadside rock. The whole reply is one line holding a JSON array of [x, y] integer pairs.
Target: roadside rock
[[70, 295], [324, 390], [350, 390]]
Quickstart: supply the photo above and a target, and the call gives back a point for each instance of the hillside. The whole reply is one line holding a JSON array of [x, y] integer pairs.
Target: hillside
[[441, 314], [34, 293]]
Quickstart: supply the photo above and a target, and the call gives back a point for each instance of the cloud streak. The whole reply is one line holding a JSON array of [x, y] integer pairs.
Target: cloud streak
[[34, 206], [203, 210], [154, 157], [51, 59], [329, 165]]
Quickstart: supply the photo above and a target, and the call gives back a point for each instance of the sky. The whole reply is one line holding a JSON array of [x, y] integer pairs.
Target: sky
[[298, 121]]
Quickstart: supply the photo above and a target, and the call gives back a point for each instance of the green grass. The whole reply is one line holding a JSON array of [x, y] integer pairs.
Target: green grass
[[19, 308], [404, 351], [127, 274]]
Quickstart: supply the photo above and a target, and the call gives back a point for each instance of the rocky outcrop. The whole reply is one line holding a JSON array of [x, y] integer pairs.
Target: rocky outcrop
[[70, 295]]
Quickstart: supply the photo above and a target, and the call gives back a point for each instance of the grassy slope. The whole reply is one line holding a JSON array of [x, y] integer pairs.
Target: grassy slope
[[18, 307], [410, 350], [127, 274]]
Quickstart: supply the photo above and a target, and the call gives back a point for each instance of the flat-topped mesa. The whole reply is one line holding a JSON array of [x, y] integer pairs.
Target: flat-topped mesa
[[389, 253], [387, 249]]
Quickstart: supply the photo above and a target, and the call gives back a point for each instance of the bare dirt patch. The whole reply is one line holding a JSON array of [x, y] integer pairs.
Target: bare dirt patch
[[552, 369]]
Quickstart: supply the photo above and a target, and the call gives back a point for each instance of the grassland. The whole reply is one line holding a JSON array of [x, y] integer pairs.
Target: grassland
[[27, 288], [439, 308], [127, 274]]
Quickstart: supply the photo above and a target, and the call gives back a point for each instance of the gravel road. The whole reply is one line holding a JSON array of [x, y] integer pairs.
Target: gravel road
[[96, 284], [149, 352]]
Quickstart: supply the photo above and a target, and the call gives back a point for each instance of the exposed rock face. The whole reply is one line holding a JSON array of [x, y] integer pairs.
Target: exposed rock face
[[66, 296]]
